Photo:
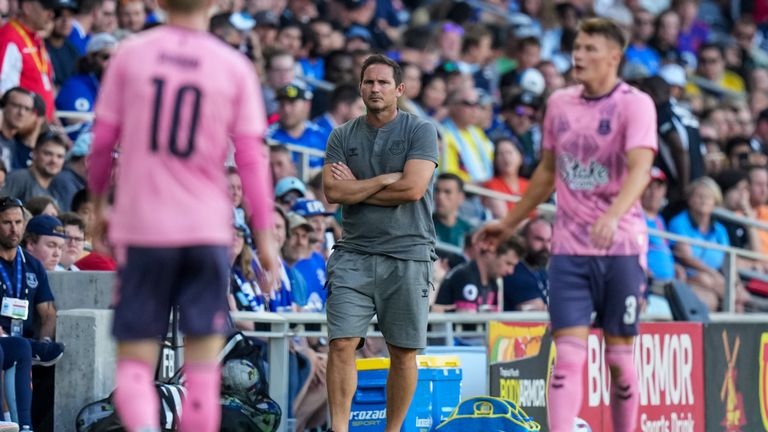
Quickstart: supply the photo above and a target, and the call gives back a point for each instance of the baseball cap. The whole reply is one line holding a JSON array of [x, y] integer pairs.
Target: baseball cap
[[309, 207], [658, 175], [673, 74], [524, 98], [62, 4], [360, 32], [294, 91], [46, 225], [266, 18], [296, 220], [533, 81], [242, 21], [287, 184], [100, 42]]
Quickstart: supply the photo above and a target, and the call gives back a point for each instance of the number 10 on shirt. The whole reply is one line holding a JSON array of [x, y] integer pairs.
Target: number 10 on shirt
[[186, 97]]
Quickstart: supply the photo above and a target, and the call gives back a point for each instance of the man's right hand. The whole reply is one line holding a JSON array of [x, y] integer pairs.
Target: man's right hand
[[491, 234]]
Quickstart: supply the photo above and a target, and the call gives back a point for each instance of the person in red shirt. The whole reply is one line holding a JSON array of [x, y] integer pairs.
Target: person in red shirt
[[506, 166], [24, 61]]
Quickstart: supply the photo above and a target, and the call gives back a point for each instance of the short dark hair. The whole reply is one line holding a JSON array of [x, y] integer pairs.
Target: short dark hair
[[279, 148], [84, 7], [397, 72], [52, 136], [473, 35], [7, 94], [513, 243], [72, 218], [711, 46], [605, 28], [79, 199], [451, 177], [528, 41], [343, 94], [271, 55]]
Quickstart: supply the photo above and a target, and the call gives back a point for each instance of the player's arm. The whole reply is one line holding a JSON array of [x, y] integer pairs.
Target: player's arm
[[341, 187], [679, 156], [410, 188], [47, 313], [539, 190]]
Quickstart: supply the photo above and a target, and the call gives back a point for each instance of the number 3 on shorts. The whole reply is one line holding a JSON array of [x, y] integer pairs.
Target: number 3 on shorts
[[630, 310]]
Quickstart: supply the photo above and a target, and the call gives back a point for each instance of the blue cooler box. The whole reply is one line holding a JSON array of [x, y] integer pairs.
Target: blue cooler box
[[370, 401], [445, 374]]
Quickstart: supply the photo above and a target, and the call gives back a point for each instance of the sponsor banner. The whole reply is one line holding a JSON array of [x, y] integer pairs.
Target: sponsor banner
[[737, 377], [669, 361], [513, 341]]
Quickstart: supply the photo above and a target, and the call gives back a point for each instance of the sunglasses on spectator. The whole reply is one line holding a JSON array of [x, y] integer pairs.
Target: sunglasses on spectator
[[103, 56], [10, 202]]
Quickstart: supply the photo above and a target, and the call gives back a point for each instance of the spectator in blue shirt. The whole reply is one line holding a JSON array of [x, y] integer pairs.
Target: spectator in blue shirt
[[345, 105], [293, 127], [79, 92], [639, 51], [704, 266], [661, 261], [527, 288]]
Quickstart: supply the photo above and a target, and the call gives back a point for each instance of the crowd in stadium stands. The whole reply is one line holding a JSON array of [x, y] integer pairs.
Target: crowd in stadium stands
[[481, 71]]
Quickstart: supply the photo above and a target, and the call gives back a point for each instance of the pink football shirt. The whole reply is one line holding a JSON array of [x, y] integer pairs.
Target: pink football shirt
[[174, 100], [590, 139]]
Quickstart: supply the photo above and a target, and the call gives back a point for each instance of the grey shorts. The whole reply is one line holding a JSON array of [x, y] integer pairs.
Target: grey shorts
[[397, 291]]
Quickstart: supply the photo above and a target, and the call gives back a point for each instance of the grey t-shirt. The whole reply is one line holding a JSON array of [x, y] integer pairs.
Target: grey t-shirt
[[22, 184], [405, 231]]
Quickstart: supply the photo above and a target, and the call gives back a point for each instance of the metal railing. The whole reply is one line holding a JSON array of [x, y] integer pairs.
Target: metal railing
[[730, 270]]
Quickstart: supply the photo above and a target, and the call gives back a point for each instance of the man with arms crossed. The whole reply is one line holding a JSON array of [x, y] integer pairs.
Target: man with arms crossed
[[599, 142], [172, 98], [380, 167]]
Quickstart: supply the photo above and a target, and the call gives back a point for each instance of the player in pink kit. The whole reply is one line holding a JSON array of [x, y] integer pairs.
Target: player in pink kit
[[598, 146], [172, 100]]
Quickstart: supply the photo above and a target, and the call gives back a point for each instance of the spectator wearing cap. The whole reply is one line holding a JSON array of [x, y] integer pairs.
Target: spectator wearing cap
[[131, 15], [25, 62], [310, 263], [358, 38], [280, 68], [79, 92], [74, 245], [345, 105], [519, 122], [314, 212], [266, 25], [298, 247], [527, 55], [288, 190], [47, 162], [44, 240], [467, 151], [293, 126], [674, 75], [639, 51], [18, 111], [63, 52], [223, 26]]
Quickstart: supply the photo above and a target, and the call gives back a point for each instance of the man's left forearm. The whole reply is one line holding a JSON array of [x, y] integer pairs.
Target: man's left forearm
[[399, 192]]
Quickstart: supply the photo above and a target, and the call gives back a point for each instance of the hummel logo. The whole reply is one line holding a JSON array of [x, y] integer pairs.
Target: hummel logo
[[353, 151]]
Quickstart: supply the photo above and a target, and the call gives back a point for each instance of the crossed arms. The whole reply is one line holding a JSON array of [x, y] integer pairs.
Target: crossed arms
[[387, 190]]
